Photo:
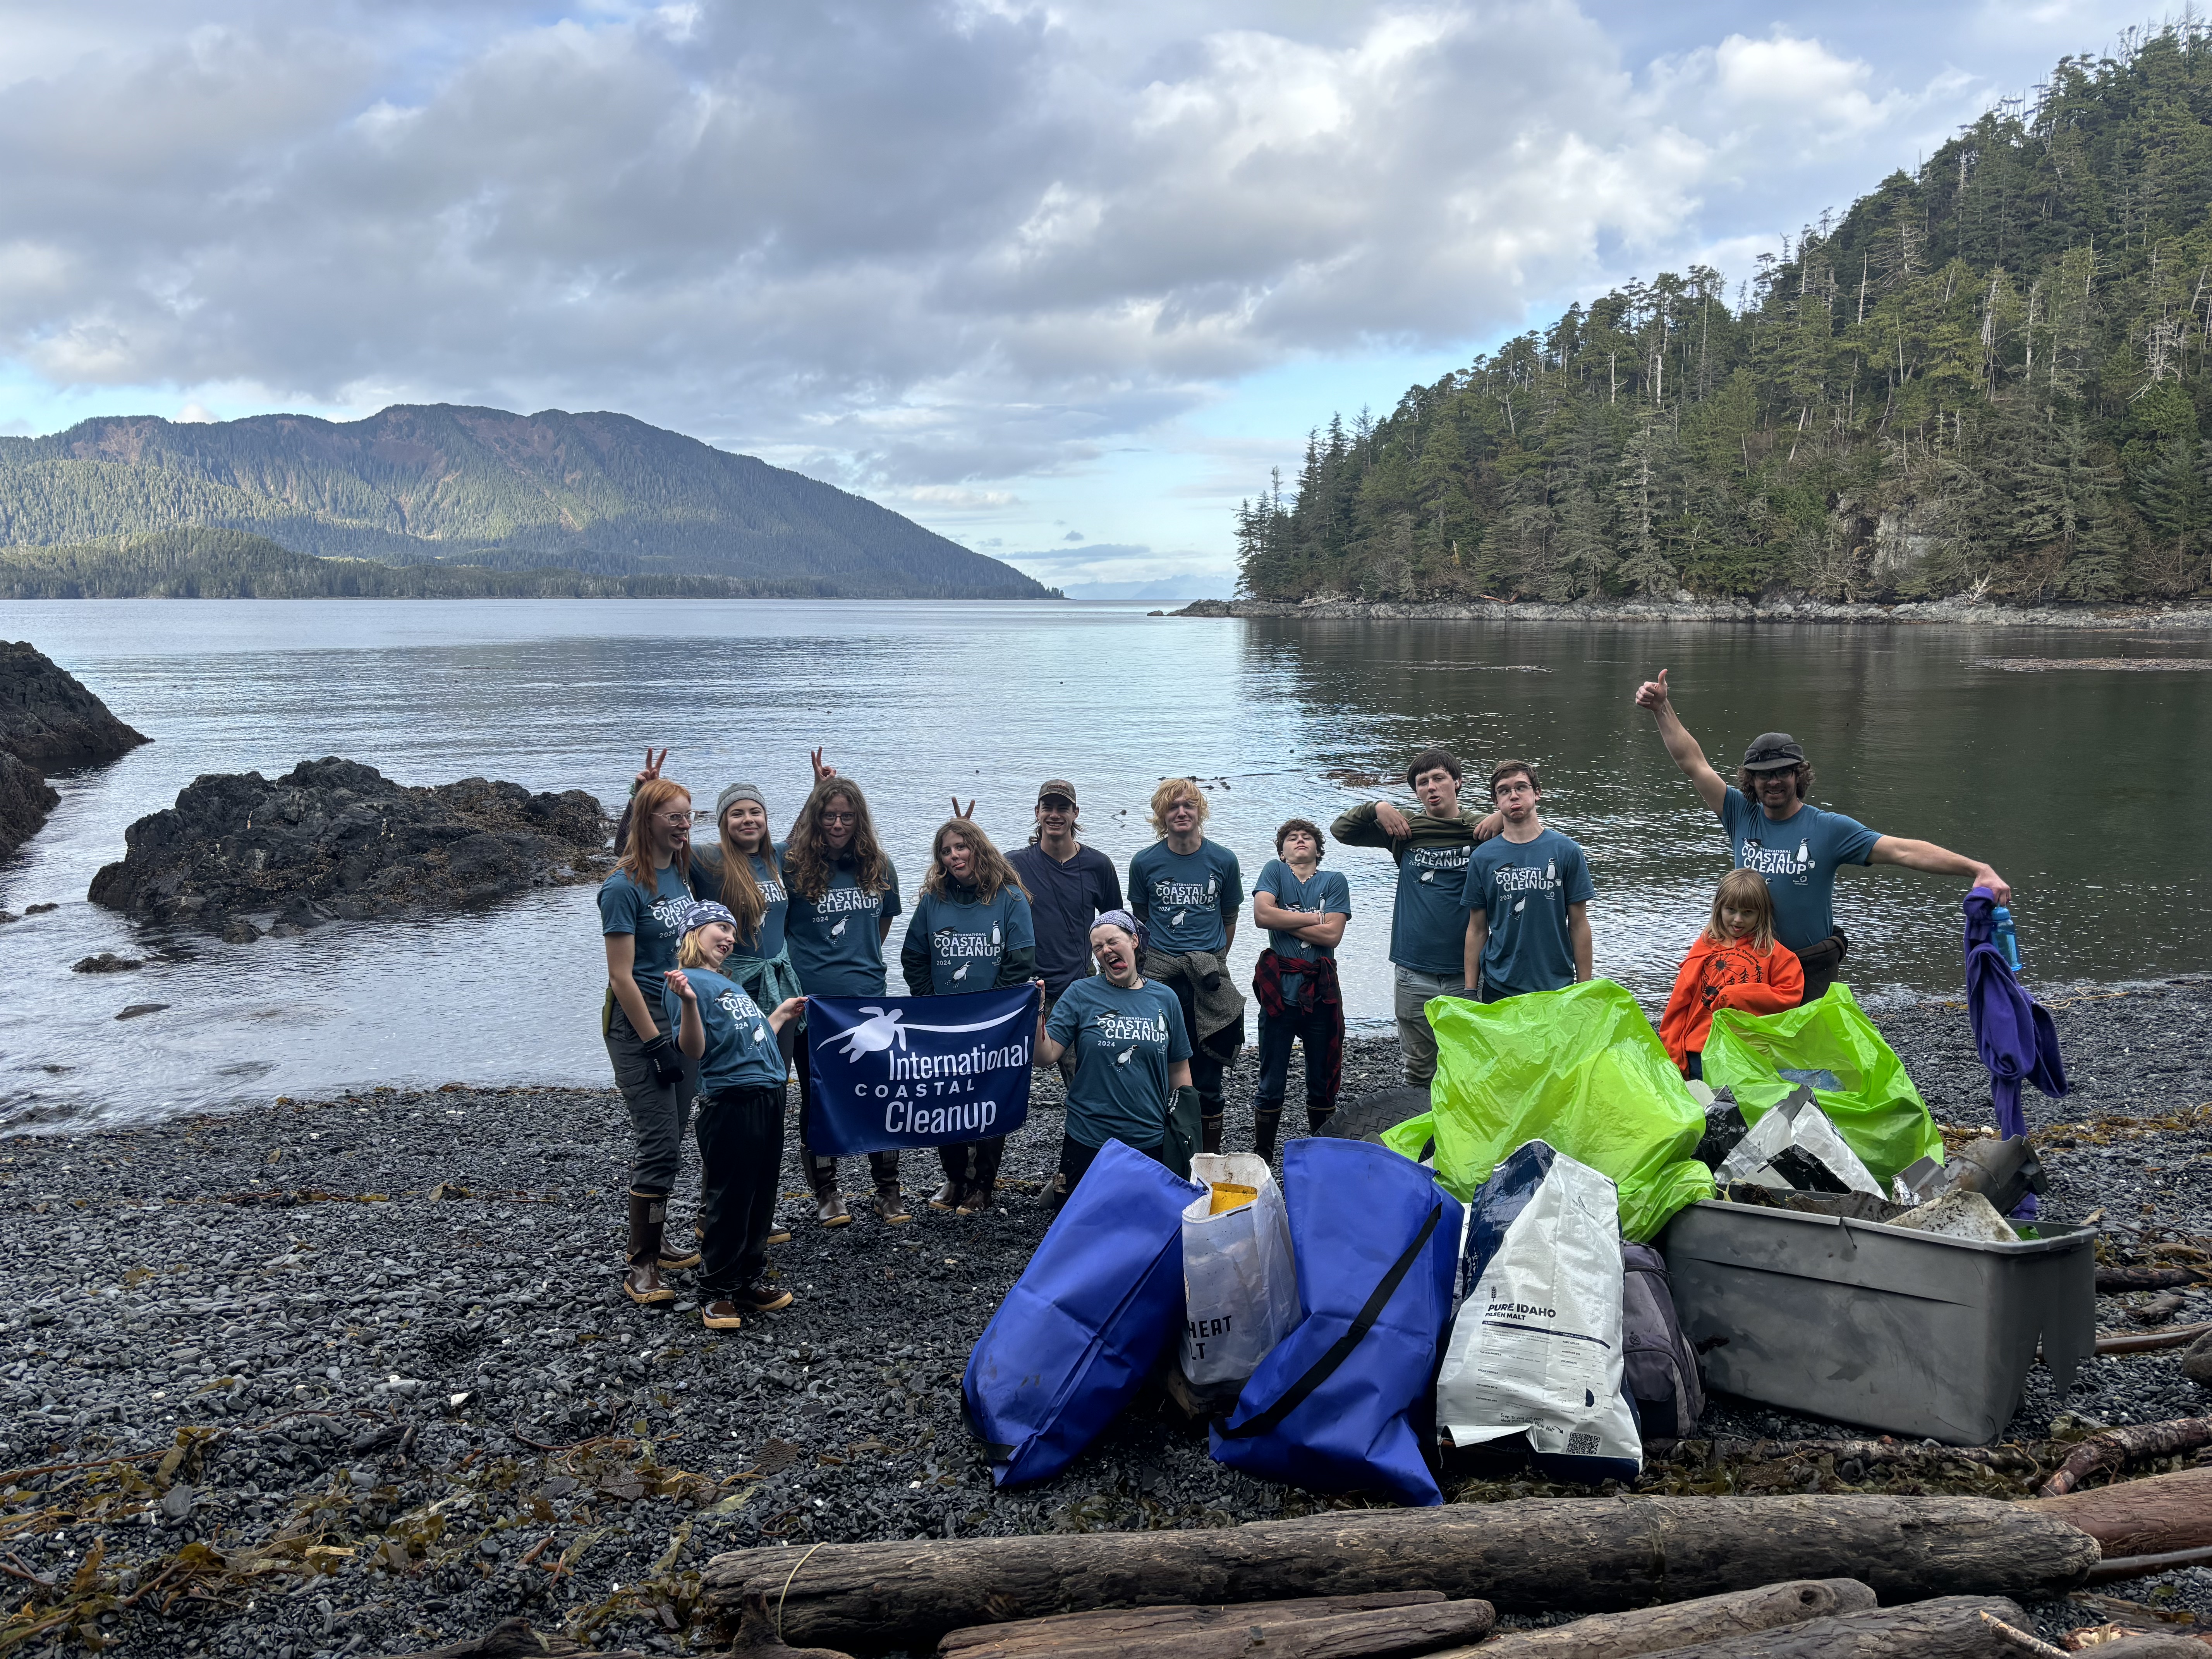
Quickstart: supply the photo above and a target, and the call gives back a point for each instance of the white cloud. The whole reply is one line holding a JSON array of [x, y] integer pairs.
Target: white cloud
[[925, 250]]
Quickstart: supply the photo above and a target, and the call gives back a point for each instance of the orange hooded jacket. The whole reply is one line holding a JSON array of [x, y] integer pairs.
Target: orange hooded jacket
[[1737, 975]]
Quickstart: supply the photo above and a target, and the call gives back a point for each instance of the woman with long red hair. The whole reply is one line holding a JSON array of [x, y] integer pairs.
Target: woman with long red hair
[[641, 910]]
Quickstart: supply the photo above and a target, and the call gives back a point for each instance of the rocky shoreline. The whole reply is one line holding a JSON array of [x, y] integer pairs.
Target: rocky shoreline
[[2185, 617], [49, 723], [353, 1377], [332, 840]]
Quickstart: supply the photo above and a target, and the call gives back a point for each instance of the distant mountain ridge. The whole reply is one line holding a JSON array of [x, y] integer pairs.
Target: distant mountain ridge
[[599, 493]]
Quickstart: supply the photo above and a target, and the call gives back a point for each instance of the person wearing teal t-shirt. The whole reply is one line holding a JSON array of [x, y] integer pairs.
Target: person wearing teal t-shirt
[[844, 895], [732, 1042], [1304, 908], [1526, 896], [1186, 892], [1797, 847], [641, 909], [971, 930], [1132, 1055]]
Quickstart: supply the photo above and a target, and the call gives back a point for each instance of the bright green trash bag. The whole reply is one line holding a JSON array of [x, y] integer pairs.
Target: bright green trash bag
[[1856, 1078], [1581, 1070]]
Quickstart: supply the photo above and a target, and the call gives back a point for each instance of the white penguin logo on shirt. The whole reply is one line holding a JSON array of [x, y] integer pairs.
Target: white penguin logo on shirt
[[1428, 875], [1123, 1059], [995, 938], [961, 972], [1175, 921], [838, 930], [1551, 871], [1519, 905]]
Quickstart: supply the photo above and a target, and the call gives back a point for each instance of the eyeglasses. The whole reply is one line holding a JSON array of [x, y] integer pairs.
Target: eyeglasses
[[676, 818], [840, 817]]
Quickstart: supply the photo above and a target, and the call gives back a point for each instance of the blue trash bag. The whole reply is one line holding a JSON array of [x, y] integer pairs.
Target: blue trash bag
[[1346, 1401], [1083, 1325]]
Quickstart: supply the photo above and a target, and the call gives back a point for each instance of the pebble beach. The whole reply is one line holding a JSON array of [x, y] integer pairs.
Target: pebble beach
[[352, 1376]]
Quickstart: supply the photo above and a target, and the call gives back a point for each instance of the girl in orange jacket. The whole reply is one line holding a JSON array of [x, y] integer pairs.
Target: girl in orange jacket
[[1734, 963]]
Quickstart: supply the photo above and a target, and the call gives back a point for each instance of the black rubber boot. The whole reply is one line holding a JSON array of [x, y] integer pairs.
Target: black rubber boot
[[1264, 1127], [1318, 1121], [1209, 1135]]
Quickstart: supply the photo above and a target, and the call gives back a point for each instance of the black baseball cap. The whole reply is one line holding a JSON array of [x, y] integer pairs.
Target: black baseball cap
[[1770, 751]]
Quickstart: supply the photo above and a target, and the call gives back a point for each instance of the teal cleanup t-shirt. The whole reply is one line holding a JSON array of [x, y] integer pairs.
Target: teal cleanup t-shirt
[[655, 921], [1799, 856], [1123, 1040], [741, 1049], [706, 881], [1186, 900], [1428, 924], [837, 941], [967, 941], [1325, 892], [1524, 890]]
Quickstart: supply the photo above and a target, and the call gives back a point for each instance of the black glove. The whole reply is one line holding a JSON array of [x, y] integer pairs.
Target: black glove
[[666, 1059]]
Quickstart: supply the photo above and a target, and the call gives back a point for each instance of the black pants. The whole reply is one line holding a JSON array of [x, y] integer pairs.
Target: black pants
[[821, 1172], [1322, 1029], [973, 1165], [1076, 1158], [1205, 1070], [1821, 964], [741, 1168]]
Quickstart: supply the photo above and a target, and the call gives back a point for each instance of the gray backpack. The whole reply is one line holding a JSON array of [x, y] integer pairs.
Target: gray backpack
[[1659, 1367]]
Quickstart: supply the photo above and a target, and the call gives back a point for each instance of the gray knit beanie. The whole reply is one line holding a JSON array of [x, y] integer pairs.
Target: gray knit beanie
[[738, 792]]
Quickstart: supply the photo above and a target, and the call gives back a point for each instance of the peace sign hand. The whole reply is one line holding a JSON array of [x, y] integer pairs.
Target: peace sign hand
[[820, 770], [652, 765], [957, 813]]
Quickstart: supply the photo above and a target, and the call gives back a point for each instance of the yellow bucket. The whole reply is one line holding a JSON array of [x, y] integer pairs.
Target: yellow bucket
[[1228, 1195]]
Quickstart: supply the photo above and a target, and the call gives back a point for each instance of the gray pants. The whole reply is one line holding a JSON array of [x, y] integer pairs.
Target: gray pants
[[1410, 996], [658, 1116]]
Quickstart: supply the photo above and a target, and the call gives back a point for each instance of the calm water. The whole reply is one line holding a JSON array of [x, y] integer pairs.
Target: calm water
[[2087, 789]]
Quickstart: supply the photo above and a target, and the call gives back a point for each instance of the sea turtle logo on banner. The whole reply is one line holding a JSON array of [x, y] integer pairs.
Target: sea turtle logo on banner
[[881, 1030]]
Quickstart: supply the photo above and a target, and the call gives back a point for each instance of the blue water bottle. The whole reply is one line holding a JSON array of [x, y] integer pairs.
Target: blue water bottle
[[2006, 940]]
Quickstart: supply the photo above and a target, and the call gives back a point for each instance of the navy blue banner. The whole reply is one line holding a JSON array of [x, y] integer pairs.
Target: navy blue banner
[[891, 1073]]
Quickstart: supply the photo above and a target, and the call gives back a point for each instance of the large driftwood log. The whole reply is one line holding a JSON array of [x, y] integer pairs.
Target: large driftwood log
[[1028, 1635], [1662, 1630], [1948, 1627], [513, 1638], [1574, 1554], [2149, 1342], [2153, 1644], [2113, 1281], [2140, 1518], [2116, 1448], [1231, 1634]]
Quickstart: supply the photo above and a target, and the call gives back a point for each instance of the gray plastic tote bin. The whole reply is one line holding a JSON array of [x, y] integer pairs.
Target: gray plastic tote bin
[[1865, 1323]]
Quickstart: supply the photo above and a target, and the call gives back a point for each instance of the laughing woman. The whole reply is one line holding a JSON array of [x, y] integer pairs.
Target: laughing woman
[[1131, 1054], [741, 872], [970, 930], [641, 909], [844, 894], [725, 1034]]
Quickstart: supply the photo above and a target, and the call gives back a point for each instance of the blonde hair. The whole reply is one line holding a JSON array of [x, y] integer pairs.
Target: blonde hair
[[690, 953], [1747, 891], [992, 874], [654, 798], [1170, 791]]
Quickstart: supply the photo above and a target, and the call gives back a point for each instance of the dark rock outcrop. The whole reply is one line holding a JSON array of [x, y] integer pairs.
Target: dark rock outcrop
[[48, 721], [335, 840]]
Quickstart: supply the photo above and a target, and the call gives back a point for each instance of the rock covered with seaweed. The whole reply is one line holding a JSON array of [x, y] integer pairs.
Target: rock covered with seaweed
[[333, 840]]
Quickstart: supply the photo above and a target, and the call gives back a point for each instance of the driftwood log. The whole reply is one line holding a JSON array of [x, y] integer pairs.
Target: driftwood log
[[1567, 1554], [2111, 1281], [2140, 1518], [2150, 1341], [1948, 1627], [513, 1638], [2115, 1449], [1030, 1635], [1288, 1633], [2153, 1644], [1678, 1624]]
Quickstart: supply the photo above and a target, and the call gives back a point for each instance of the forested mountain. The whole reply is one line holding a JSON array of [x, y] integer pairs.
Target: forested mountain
[[232, 564], [1990, 376], [597, 493]]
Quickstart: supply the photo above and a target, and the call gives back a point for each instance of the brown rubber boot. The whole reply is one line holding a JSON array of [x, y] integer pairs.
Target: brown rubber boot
[[1264, 1127], [679, 1258], [891, 1205], [649, 1216], [946, 1197]]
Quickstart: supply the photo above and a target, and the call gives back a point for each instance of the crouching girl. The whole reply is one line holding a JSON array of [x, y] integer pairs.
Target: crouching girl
[[1734, 963], [733, 1043]]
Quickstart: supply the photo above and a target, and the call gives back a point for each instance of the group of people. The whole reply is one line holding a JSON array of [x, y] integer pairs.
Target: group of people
[[713, 948]]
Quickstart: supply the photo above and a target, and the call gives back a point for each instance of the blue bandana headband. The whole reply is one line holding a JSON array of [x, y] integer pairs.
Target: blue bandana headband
[[700, 913]]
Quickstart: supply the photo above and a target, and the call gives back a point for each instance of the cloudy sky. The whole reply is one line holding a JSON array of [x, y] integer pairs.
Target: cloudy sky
[[1061, 281]]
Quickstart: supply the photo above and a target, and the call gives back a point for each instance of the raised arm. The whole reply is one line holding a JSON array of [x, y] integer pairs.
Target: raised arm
[[1360, 826], [1939, 861], [1712, 788]]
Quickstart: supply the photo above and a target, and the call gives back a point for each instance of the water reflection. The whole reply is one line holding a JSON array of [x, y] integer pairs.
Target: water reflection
[[2080, 787]]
